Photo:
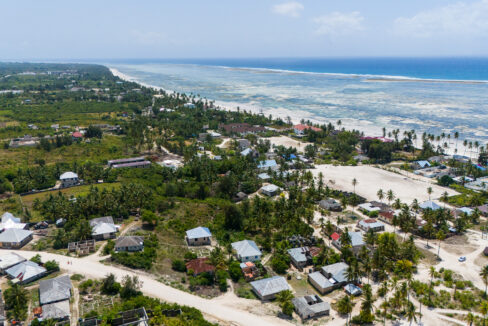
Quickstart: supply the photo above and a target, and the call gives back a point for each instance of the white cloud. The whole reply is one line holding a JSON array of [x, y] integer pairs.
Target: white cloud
[[338, 23], [459, 19], [291, 9]]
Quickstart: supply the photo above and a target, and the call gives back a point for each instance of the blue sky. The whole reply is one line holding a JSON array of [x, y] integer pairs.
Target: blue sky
[[53, 29]]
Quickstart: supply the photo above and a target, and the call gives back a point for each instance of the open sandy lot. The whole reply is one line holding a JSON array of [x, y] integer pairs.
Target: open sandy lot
[[288, 142], [371, 179]]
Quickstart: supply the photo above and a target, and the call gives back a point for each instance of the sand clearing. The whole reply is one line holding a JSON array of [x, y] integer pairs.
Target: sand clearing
[[371, 179], [288, 142]]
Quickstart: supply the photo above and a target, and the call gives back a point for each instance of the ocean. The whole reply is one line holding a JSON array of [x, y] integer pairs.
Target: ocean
[[431, 95]]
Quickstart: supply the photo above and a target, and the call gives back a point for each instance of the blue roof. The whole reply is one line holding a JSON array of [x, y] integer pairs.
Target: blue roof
[[267, 164], [429, 205], [264, 176], [246, 152], [479, 167], [423, 163], [246, 248], [353, 289], [199, 232]]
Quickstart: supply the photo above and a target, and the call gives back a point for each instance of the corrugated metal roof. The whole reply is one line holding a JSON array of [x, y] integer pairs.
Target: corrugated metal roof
[[270, 286], [246, 248], [198, 232], [55, 289]]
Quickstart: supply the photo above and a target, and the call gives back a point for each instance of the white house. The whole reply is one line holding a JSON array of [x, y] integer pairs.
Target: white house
[[69, 179], [247, 250], [199, 236]]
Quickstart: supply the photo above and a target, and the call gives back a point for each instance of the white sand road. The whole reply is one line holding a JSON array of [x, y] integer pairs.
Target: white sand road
[[227, 313], [371, 179]]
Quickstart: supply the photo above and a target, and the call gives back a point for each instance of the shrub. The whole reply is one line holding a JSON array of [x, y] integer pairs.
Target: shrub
[[178, 265]]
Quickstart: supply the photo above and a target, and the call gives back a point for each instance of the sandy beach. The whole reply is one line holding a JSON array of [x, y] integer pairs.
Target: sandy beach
[[369, 128], [371, 179]]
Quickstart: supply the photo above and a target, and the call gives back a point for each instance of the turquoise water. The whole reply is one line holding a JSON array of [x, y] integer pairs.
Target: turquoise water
[[433, 95]]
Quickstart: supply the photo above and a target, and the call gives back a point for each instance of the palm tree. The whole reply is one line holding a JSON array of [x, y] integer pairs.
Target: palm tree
[[429, 191], [390, 196], [470, 318], [484, 276], [380, 194], [484, 310], [440, 236], [345, 305], [411, 312], [354, 183], [431, 274]]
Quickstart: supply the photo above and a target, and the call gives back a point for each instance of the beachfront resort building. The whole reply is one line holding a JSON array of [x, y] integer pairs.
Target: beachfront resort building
[[300, 129]]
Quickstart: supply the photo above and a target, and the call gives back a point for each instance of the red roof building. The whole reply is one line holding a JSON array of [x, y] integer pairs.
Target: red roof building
[[199, 266], [77, 134], [335, 236], [302, 128]]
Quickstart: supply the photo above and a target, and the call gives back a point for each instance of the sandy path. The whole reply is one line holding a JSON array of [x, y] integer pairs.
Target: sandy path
[[371, 179], [288, 142], [232, 312]]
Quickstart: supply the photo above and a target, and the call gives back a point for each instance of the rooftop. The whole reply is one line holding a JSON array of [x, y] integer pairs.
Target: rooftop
[[55, 289], [198, 232], [246, 248], [270, 286]]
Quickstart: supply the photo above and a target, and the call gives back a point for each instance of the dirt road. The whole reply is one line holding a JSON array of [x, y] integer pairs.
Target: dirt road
[[233, 313]]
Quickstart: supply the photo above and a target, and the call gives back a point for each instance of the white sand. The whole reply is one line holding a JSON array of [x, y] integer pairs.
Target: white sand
[[371, 179], [288, 142]]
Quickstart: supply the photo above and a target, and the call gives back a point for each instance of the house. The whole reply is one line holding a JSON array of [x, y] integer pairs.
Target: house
[[9, 260], [240, 196], [302, 256], [69, 179], [249, 270], [270, 190], [311, 306], [77, 136], [55, 289], [300, 129], [247, 250], [329, 277], [25, 272], [483, 209], [9, 221], [199, 266], [264, 176], [368, 208], [134, 162], [463, 211], [429, 204], [241, 128], [129, 244], [371, 224], [330, 205], [56, 310], [103, 228], [14, 238], [357, 241], [189, 105], [199, 236], [420, 165], [268, 288], [243, 144], [268, 164], [353, 289], [386, 216]]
